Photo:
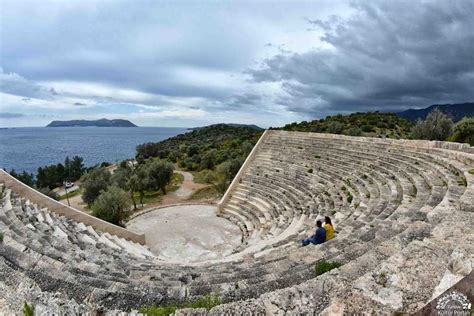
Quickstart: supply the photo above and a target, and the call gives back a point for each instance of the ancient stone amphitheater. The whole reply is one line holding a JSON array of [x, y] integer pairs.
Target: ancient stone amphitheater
[[403, 211]]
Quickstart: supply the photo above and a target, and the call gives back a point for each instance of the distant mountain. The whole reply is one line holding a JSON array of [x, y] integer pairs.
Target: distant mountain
[[229, 124], [455, 111], [97, 123]]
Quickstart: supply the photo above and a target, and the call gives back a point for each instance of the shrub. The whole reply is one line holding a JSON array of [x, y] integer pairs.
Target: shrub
[[324, 266], [354, 131], [349, 198], [28, 310], [112, 206], [436, 126], [367, 128], [1, 237], [335, 127], [209, 301], [464, 131], [310, 170], [50, 193], [205, 176]]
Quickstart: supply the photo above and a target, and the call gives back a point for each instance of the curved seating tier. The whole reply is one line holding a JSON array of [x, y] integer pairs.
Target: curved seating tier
[[390, 202]]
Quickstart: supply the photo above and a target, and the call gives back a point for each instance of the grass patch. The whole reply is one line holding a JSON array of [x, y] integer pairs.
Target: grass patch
[[415, 191], [154, 196], [71, 194], [324, 266], [176, 181], [28, 310], [207, 193], [471, 171], [349, 197], [209, 301], [204, 176]]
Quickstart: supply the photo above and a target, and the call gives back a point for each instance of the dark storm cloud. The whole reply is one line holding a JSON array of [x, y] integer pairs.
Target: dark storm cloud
[[389, 56], [150, 46]]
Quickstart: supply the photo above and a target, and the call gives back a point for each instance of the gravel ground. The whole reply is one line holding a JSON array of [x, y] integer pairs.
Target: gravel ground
[[187, 233]]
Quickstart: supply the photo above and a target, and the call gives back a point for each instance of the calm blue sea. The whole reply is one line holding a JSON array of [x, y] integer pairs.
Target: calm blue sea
[[28, 148]]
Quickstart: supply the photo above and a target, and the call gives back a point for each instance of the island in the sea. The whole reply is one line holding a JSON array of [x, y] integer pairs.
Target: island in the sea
[[96, 123]]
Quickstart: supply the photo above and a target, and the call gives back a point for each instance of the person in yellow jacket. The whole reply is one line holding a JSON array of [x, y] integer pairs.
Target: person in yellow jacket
[[329, 228]]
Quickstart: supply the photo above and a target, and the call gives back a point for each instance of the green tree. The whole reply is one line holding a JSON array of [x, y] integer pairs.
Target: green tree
[[50, 176], [208, 159], [121, 178], [112, 206], [159, 174], [76, 168], [139, 182], [25, 177], [67, 168], [225, 172], [246, 148], [93, 183], [193, 150], [436, 126], [464, 131]]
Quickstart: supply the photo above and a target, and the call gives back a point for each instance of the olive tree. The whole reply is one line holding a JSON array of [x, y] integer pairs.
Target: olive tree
[[112, 206], [93, 183], [159, 174], [436, 126]]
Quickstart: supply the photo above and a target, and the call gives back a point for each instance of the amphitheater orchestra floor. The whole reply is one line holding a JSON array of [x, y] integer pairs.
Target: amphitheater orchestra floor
[[187, 233]]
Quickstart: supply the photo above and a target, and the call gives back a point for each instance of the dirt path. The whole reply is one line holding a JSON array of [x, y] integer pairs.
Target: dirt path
[[185, 191]]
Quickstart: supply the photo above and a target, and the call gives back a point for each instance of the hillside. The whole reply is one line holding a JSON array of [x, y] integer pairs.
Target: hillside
[[96, 123], [372, 124], [231, 125], [455, 111], [204, 148]]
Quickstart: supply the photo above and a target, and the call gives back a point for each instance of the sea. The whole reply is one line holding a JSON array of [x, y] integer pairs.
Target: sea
[[28, 148]]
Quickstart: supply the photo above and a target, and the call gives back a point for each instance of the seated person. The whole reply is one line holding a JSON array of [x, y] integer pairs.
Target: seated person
[[328, 228], [319, 236]]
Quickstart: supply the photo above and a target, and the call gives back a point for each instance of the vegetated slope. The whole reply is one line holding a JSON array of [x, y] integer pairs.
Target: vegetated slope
[[373, 124], [96, 123], [455, 111], [232, 125], [204, 148]]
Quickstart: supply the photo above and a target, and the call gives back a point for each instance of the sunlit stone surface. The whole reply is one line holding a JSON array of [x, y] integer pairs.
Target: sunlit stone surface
[[187, 233]]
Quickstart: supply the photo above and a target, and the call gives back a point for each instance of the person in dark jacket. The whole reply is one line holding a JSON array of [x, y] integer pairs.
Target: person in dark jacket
[[319, 236]]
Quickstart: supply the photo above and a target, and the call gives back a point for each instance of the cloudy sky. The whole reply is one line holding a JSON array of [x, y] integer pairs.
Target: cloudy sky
[[176, 63]]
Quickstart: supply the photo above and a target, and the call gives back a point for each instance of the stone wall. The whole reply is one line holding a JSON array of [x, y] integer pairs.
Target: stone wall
[[54, 206], [239, 174]]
